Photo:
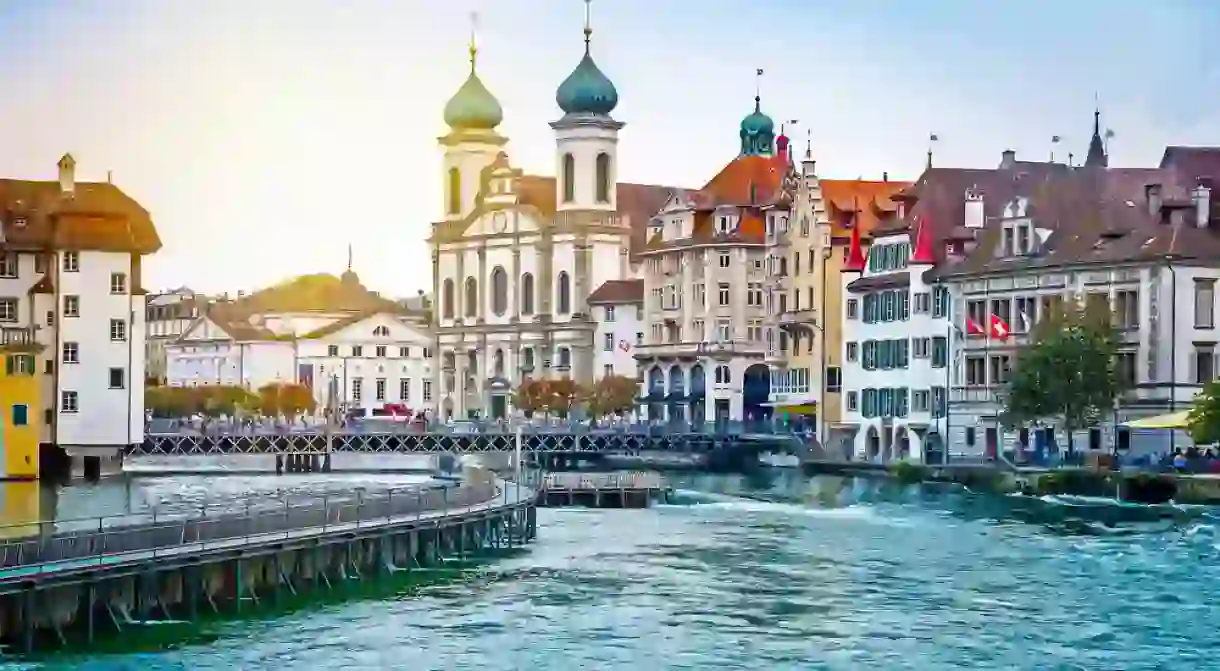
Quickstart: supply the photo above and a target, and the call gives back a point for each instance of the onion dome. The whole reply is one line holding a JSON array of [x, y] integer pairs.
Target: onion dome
[[757, 132], [587, 90], [473, 107]]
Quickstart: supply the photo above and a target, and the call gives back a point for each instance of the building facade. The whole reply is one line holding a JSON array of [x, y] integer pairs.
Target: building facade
[[354, 349], [72, 307], [167, 316], [517, 257], [618, 310]]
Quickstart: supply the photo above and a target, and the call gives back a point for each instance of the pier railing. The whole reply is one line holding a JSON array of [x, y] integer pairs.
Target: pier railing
[[111, 539]]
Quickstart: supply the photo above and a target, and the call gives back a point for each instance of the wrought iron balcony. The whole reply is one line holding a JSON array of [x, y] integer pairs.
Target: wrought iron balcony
[[18, 339], [799, 320], [697, 350]]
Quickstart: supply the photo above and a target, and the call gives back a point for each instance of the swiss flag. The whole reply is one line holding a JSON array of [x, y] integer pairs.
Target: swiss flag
[[973, 327], [999, 328]]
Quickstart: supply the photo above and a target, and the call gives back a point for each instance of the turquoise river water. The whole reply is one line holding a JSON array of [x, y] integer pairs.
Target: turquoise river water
[[773, 572]]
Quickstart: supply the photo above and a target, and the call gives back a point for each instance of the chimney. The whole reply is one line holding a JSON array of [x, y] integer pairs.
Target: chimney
[[1201, 196], [67, 175], [1152, 193], [975, 214], [1008, 158], [885, 176]]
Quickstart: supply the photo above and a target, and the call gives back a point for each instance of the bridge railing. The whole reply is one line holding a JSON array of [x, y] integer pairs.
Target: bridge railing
[[475, 427], [101, 540]]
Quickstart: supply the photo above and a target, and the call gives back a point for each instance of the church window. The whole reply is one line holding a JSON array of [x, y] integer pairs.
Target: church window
[[472, 297], [569, 178], [447, 299], [565, 294], [455, 191], [498, 363], [565, 357], [603, 178], [527, 294], [499, 291]]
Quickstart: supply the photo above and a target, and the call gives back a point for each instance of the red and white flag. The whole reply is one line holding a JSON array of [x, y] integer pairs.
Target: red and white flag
[[973, 327], [999, 328]]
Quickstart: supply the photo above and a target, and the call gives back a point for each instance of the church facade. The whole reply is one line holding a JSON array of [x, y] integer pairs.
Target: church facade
[[516, 257]]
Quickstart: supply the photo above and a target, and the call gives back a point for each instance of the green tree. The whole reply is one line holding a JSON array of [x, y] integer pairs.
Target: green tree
[[1067, 372], [1204, 416]]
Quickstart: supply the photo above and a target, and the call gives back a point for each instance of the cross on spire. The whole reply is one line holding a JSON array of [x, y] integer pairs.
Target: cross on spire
[[588, 23], [474, 47]]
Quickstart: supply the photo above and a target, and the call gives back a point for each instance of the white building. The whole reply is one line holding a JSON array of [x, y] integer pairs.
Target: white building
[[167, 316], [331, 334], [517, 256], [895, 346], [618, 307], [70, 281]]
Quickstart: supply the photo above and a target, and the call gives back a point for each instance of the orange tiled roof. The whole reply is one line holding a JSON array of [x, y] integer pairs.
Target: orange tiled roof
[[732, 185], [873, 199], [96, 217]]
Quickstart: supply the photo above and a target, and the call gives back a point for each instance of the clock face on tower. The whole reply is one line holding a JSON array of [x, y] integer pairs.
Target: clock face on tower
[[499, 222]]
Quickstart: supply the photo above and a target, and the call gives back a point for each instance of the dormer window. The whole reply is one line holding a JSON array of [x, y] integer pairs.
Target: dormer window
[[1017, 239], [722, 225]]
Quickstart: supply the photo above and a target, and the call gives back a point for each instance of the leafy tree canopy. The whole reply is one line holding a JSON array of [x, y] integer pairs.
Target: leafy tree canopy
[[1204, 416]]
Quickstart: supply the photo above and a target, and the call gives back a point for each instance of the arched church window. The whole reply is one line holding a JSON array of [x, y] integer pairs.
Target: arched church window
[[499, 291], [472, 297], [498, 363], [527, 294], [454, 191], [564, 299], [569, 178], [565, 357], [447, 299], [603, 177]]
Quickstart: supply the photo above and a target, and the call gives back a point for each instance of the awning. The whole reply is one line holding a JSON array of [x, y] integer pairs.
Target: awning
[[794, 408], [1174, 420]]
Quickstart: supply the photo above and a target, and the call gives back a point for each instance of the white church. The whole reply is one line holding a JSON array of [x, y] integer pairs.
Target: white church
[[516, 257]]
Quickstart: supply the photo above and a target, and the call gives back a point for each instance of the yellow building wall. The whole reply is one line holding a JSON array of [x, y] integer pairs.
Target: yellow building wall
[[832, 337], [22, 509], [19, 386]]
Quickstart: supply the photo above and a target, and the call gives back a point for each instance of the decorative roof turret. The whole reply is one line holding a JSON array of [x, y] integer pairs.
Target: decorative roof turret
[[473, 107], [1097, 149], [757, 129], [587, 90]]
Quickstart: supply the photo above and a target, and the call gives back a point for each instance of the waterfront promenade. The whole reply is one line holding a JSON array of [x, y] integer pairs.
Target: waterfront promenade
[[69, 579]]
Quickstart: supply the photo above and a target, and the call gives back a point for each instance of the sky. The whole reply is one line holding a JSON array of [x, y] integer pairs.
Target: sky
[[265, 136]]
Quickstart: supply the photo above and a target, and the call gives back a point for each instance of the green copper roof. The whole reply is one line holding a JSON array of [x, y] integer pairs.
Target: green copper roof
[[587, 90], [757, 132], [473, 107]]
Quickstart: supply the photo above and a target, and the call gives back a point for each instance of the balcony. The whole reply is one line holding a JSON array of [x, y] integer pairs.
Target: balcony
[[18, 339], [699, 350], [975, 395], [794, 321]]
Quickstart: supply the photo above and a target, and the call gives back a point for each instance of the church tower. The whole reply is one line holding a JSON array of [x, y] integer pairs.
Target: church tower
[[472, 143], [586, 138]]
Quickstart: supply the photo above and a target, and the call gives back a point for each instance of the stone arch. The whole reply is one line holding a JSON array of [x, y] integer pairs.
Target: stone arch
[[656, 388], [872, 444], [902, 443], [755, 391], [499, 291], [603, 177]]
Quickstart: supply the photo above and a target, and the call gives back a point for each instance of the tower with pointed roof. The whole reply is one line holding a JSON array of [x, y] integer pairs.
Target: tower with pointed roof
[[757, 132], [586, 137], [1096, 157], [472, 143]]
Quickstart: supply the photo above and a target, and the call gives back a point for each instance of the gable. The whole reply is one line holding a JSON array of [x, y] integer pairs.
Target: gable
[[374, 327], [503, 221], [204, 329]]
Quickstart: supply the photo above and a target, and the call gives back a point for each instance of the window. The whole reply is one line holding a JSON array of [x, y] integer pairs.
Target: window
[[71, 352], [1205, 364], [427, 390], [970, 436], [404, 352], [607, 370], [527, 294], [8, 309], [19, 364], [940, 303], [608, 342], [118, 378], [1002, 308], [118, 283], [71, 306], [724, 260], [853, 401], [977, 312], [118, 330], [379, 351], [21, 415], [608, 313], [603, 177], [1205, 304], [357, 350], [332, 350], [724, 293], [569, 178], [834, 379], [1127, 309], [923, 302], [9, 264], [1001, 368], [40, 263], [499, 291], [853, 308], [639, 338], [69, 401], [919, 400], [564, 299], [382, 331], [976, 371], [472, 297], [853, 351], [921, 347], [379, 388], [454, 194], [940, 352], [404, 389], [447, 300], [71, 262], [724, 330], [565, 358], [1025, 313], [1124, 364]]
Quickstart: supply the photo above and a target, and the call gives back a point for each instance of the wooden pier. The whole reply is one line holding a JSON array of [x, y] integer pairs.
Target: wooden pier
[[603, 490]]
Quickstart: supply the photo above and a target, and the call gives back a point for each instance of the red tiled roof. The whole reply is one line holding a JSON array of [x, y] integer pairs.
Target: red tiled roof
[[858, 201], [95, 217], [618, 292]]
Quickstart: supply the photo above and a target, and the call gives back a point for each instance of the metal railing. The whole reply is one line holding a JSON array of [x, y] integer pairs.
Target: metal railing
[[111, 539]]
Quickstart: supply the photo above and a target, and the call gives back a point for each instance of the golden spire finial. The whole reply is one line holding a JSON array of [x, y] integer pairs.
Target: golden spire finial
[[349, 257], [588, 22], [474, 47]]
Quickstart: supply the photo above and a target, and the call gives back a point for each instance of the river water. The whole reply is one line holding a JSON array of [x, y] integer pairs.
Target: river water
[[774, 572]]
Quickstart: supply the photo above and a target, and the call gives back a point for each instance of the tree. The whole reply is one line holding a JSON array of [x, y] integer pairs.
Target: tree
[[612, 395], [1068, 371], [285, 399], [530, 396], [1204, 416], [562, 394]]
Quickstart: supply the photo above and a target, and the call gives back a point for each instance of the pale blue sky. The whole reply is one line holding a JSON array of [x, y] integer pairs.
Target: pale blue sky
[[265, 135]]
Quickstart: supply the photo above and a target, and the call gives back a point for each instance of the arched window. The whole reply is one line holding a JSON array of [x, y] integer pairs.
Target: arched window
[[564, 299], [498, 363], [499, 291], [447, 300], [569, 178], [565, 357], [472, 297], [454, 194], [603, 178], [527, 294]]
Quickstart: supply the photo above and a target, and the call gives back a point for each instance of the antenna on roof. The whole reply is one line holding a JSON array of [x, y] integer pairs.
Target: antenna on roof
[[109, 177]]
